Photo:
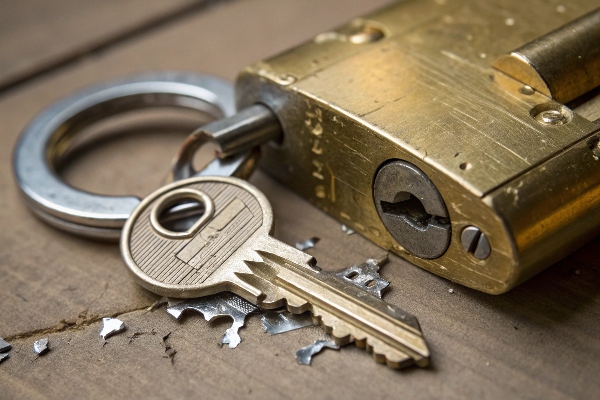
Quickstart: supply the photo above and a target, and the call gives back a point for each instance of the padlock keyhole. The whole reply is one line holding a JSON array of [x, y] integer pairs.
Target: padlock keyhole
[[408, 206]]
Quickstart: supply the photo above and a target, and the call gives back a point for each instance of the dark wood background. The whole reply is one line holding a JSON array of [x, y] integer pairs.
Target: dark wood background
[[541, 340]]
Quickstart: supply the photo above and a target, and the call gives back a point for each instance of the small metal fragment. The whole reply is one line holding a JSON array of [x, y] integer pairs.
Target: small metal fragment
[[218, 305], [305, 354], [3, 356], [41, 346], [348, 231], [450, 290], [307, 244], [4, 346], [111, 326], [280, 322], [366, 276]]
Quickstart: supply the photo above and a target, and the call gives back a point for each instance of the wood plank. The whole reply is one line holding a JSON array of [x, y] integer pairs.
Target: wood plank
[[37, 34], [541, 340]]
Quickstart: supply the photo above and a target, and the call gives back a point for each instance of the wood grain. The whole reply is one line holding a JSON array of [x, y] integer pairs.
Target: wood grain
[[38, 34], [541, 340]]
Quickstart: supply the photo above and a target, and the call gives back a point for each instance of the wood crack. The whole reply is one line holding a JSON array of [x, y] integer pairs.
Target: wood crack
[[83, 320], [109, 42]]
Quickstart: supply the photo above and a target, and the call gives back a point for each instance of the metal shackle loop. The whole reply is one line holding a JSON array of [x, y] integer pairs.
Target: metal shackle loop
[[45, 139]]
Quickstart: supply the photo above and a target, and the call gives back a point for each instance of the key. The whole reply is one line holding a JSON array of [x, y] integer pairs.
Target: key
[[230, 248]]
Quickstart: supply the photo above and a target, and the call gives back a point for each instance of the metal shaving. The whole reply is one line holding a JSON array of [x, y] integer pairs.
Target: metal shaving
[[307, 244], [279, 322], [218, 305], [366, 276], [41, 346], [348, 231], [305, 354], [3, 356], [4, 346], [111, 326]]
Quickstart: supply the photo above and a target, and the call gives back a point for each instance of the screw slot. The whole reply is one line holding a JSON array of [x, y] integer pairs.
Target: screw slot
[[475, 242]]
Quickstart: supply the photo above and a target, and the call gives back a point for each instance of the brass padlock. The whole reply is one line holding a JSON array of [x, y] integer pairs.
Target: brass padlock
[[399, 125]]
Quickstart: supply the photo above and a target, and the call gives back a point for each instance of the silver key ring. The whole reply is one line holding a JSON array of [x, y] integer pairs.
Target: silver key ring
[[43, 141]]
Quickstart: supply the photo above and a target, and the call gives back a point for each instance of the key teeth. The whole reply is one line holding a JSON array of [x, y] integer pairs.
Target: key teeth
[[343, 334], [391, 357]]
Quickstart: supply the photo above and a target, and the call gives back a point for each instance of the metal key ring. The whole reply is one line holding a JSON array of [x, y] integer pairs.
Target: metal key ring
[[45, 139]]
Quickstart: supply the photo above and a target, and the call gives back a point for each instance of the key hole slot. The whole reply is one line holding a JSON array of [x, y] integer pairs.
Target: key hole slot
[[181, 213], [411, 208], [408, 206]]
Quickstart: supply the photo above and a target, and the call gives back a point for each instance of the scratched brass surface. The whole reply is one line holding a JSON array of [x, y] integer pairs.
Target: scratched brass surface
[[426, 92]]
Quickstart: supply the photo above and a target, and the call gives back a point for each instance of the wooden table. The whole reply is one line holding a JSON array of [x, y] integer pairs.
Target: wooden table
[[541, 340]]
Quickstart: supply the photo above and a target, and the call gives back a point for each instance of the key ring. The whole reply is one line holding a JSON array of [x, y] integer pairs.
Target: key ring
[[45, 139]]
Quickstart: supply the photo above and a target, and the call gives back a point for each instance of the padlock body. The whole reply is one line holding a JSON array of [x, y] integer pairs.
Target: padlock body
[[414, 83]]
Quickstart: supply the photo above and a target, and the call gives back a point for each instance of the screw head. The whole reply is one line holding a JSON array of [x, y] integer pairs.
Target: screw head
[[552, 114], [475, 242]]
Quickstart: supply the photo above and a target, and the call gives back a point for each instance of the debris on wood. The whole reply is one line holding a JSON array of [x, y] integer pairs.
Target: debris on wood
[[307, 244], [169, 350], [111, 326], [366, 276], [280, 322], [138, 334], [348, 231], [4, 346], [305, 354], [41, 346], [215, 306]]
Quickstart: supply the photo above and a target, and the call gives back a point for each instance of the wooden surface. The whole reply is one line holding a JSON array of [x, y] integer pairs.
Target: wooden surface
[[541, 340], [38, 35]]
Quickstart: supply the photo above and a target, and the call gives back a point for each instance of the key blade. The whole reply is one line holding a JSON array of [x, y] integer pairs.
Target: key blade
[[347, 312]]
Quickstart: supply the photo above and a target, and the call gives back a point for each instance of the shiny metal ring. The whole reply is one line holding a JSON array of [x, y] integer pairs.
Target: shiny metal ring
[[44, 140]]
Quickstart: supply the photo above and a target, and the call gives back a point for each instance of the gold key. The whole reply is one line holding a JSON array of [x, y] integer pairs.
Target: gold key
[[230, 249]]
